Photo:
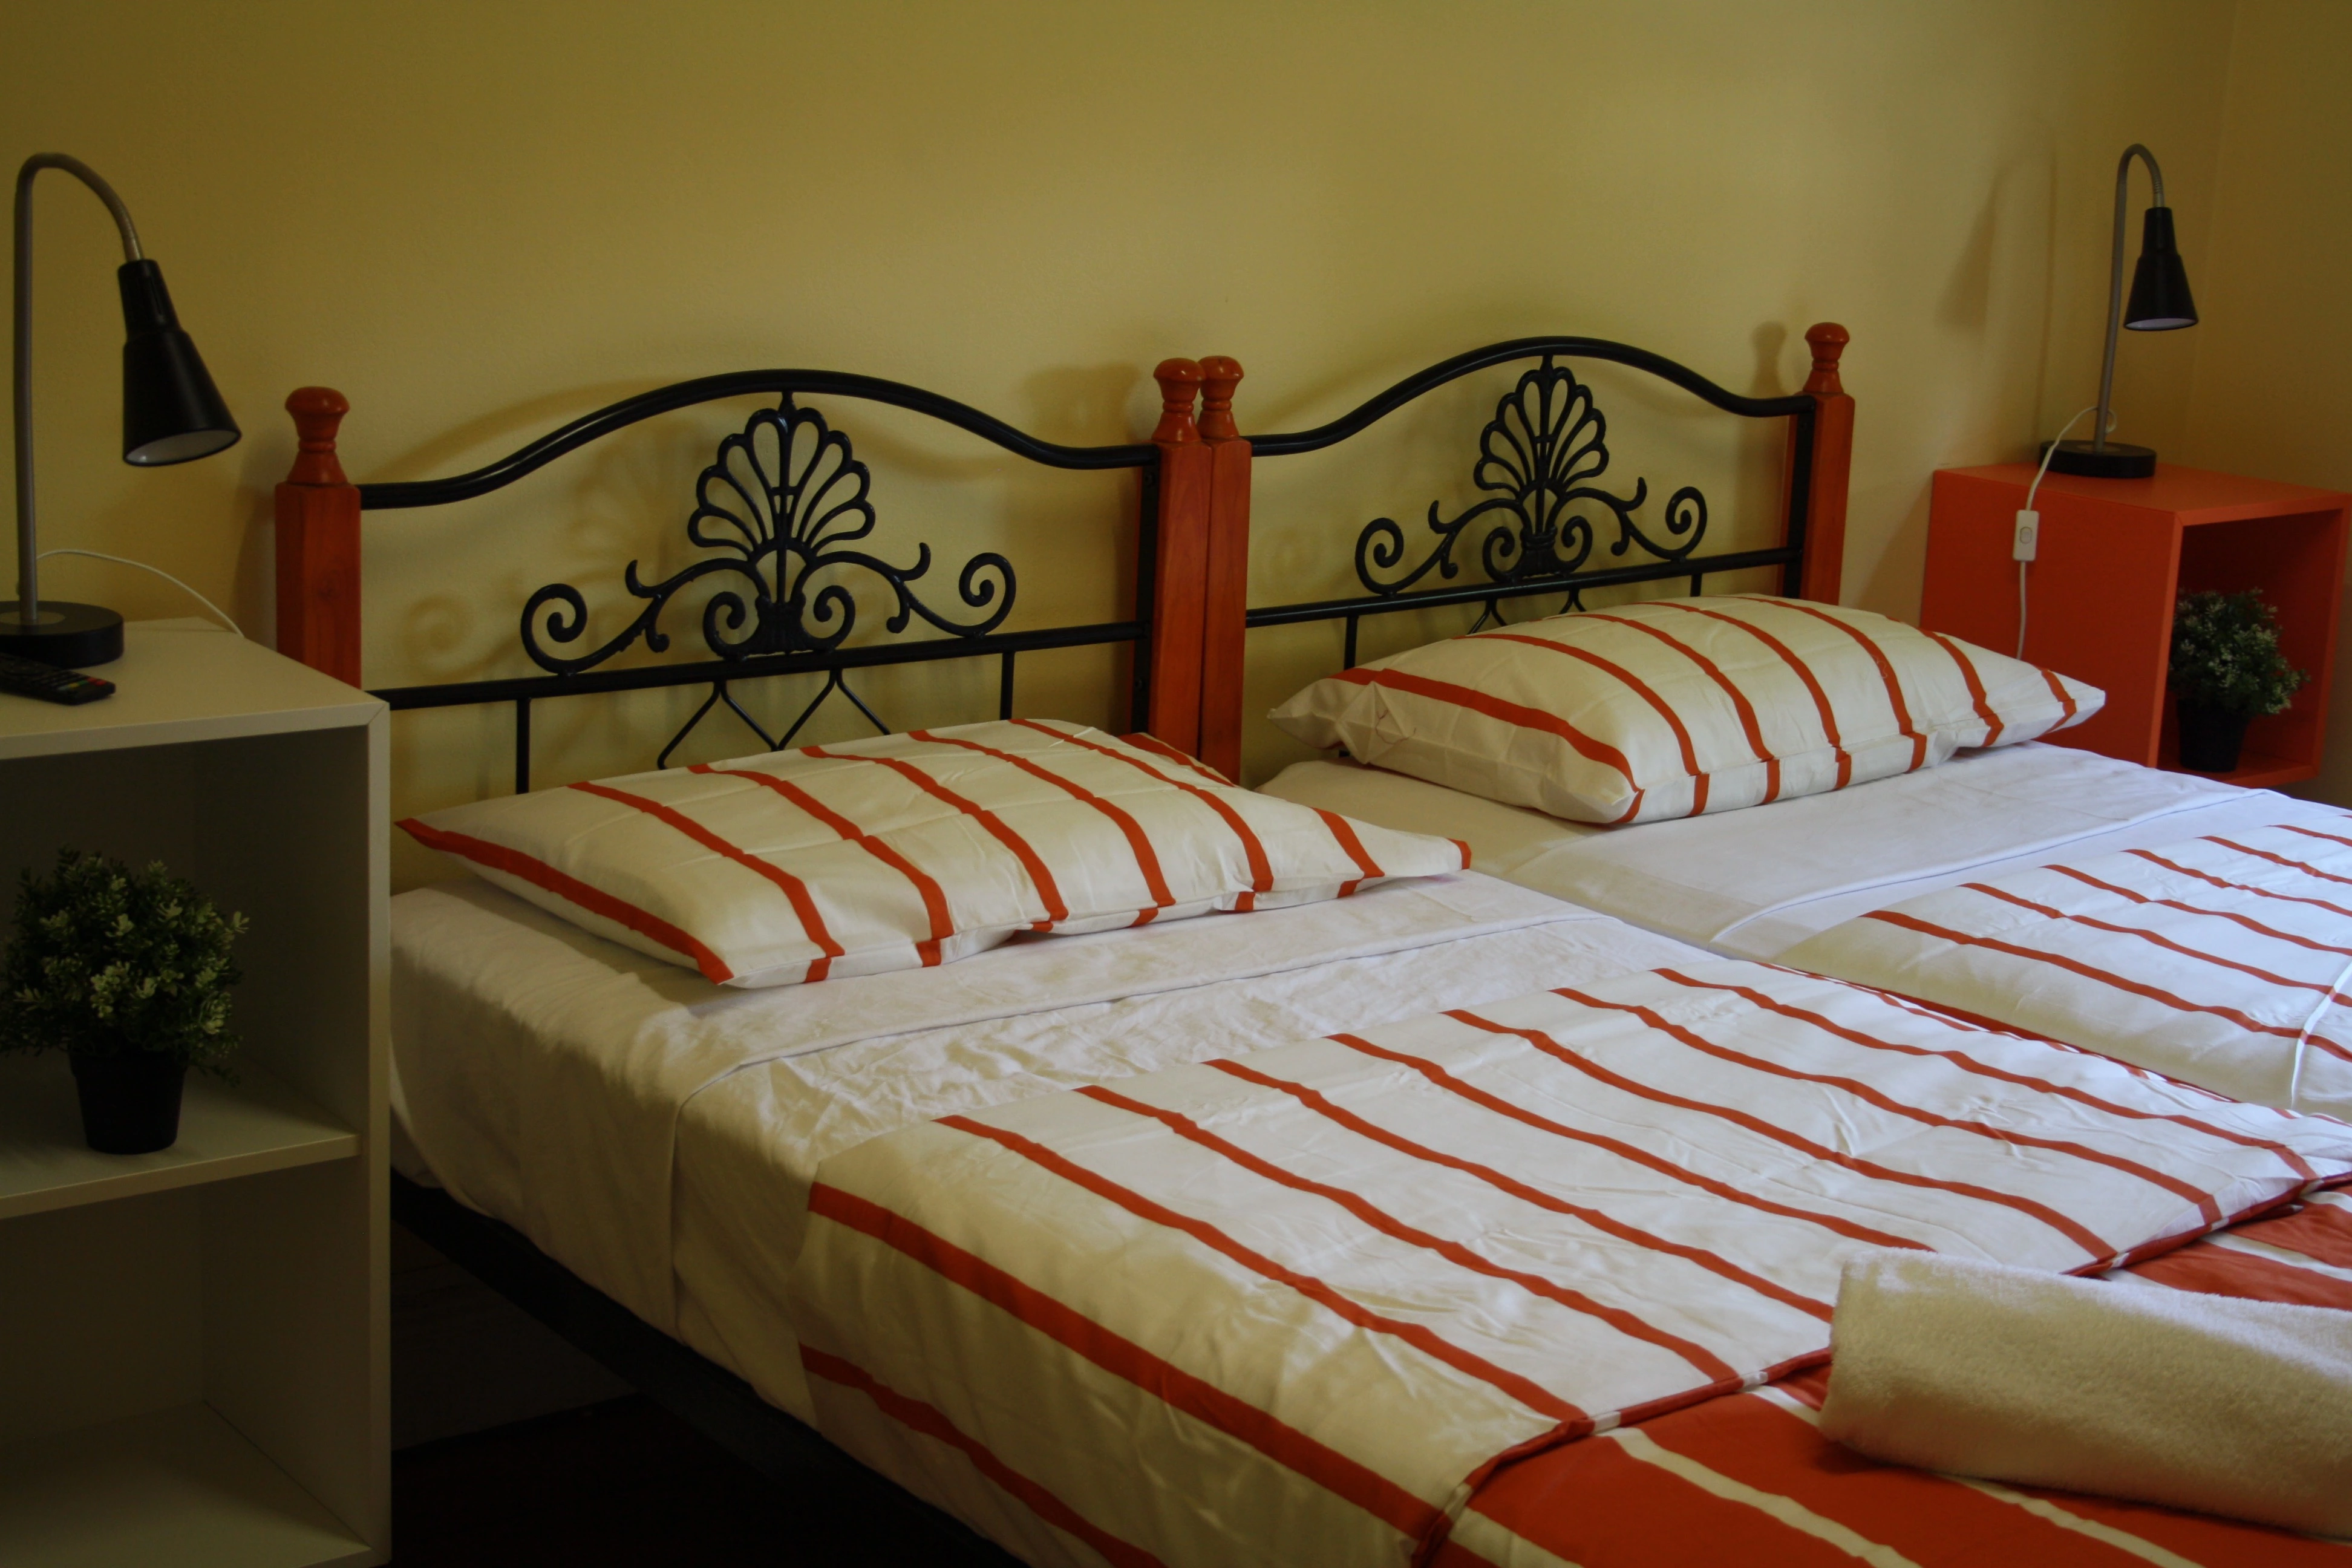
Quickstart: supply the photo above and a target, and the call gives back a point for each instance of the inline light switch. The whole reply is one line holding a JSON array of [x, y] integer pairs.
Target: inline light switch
[[2027, 540]]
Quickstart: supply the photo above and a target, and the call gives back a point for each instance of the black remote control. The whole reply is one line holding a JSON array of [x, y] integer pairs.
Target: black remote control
[[31, 678]]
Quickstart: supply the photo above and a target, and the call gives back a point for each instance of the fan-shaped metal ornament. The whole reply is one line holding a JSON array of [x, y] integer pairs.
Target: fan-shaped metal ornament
[[779, 507], [1537, 459]]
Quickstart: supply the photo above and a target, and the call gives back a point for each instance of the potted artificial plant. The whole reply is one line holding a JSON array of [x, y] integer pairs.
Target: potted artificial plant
[[2226, 670], [129, 974]]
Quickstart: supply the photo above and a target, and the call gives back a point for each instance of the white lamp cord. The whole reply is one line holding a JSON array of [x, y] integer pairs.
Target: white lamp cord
[[2030, 491], [124, 561]]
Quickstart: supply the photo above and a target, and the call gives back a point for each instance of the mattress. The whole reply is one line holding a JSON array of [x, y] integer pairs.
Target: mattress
[[657, 1135], [1753, 883]]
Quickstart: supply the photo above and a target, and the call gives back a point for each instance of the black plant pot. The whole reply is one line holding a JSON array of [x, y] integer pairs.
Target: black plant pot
[[130, 1104], [2211, 738]]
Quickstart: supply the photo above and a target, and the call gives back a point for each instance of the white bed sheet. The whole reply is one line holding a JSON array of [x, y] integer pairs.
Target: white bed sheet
[[657, 1135], [1753, 883]]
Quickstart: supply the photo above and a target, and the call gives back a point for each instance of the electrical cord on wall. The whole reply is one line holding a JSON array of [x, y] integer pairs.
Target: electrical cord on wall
[[2026, 544], [125, 560]]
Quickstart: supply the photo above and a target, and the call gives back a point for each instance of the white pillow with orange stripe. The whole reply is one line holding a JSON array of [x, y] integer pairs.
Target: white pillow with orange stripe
[[911, 850], [1675, 707]]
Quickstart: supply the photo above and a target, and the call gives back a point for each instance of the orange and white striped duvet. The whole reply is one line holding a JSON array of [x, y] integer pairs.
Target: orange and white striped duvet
[[1749, 1480], [908, 851], [1295, 1307], [1677, 706], [2223, 961]]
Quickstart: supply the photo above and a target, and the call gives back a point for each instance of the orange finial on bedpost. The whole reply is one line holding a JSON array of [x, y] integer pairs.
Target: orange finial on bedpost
[[1180, 388], [1179, 561], [1225, 602], [1824, 522], [319, 543]]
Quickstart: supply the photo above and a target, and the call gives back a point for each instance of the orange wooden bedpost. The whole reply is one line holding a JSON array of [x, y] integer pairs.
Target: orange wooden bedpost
[[1179, 561], [1225, 602], [319, 543], [1832, 460]]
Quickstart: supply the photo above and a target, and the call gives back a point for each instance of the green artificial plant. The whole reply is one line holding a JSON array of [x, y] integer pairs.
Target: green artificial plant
[[110, 962], [2225, 654]]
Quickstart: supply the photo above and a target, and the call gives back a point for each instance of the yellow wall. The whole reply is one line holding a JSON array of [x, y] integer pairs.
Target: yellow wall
[[480, 219], [2272, 389]]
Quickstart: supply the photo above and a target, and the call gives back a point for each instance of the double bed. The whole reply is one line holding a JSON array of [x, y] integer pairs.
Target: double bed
[[589, 1123]]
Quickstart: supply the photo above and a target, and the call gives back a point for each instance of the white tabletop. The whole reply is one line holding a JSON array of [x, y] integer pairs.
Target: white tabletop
[[183, 680]]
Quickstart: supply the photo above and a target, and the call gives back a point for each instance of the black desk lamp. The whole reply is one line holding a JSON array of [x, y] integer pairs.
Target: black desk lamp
[[170, 413], [2159, 303]]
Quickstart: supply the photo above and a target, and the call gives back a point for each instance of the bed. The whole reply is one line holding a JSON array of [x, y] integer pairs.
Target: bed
[[638, 1151]]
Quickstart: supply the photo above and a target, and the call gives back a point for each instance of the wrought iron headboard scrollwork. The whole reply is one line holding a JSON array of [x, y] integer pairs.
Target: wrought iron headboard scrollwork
[[783, 511], [1541, 462]]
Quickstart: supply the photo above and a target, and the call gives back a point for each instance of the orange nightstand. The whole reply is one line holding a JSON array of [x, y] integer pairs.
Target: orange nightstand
[[2115, 554]]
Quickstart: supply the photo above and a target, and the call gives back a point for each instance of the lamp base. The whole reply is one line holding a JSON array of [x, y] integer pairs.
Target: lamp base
[[2116, 460], [70, 636]]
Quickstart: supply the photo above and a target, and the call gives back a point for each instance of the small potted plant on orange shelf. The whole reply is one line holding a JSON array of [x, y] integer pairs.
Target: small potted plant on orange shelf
[[2226, 670], [129, 974]]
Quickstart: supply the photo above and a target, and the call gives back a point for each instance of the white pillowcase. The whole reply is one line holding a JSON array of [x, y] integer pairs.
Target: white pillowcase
[[1675, 707], [910, 850]]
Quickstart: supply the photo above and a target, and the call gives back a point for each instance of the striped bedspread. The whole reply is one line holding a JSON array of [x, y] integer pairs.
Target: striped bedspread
[[1748, 1479], [1300, 1306], [2223, 961]]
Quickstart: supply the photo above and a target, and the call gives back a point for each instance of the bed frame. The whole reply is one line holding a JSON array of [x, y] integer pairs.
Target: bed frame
[[786, 500]]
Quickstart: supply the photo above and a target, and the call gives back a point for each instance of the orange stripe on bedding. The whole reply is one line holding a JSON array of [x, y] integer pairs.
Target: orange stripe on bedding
[[2067, 706], [2223, 1272], [2156, 939], [1343, 832], [2075, 966], [1740, 703], [1623, 1151], [1597, 1218], [2081, 1236], [1886, 673], [934, 896], [2199, 1538], [795, 891], [1820, 698], [1640, 688], [1594, 1503], [2250, 923], [932, 1422], [2321, 1232], [1040, 877], [1510, 713], [1261, 869], [1958, 1018], [1863, 1092], [1574, 1421], [1928, 1518], [2153, 859], [1144, 741], [1700, 1359], [2280, 860], [1203, 1401], [1993, 726], [540, 874], [1146, 859]]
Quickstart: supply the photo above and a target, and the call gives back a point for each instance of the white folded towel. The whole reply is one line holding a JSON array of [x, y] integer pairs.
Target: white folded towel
[[2226, 1406]]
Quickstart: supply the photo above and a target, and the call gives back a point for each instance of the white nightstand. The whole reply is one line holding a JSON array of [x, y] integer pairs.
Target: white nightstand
[[193, 1342]]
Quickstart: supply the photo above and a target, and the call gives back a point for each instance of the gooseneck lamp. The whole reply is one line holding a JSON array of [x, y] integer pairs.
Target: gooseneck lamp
[[2159, 303], [170, 413]]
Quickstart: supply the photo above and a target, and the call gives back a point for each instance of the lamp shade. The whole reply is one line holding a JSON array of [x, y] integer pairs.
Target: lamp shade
[[2159, 291], [172, 412]]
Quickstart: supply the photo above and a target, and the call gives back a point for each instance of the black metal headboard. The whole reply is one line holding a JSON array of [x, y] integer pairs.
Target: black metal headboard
[[785, 500], [1540, 459]]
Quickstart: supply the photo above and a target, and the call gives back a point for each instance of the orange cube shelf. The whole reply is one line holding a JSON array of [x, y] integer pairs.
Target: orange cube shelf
[[2114, 555]]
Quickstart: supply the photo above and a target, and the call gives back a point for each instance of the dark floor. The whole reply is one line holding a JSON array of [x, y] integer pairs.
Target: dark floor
[[622, 1482]]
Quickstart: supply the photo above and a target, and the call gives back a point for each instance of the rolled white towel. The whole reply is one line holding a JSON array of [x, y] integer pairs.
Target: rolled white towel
[[2226, 1407]]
